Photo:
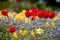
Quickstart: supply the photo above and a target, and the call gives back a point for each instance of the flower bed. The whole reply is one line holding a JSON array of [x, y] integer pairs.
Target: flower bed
[[33, 24]]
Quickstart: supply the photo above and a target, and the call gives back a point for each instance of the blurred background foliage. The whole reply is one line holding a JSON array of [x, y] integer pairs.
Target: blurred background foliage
[[25, 4]]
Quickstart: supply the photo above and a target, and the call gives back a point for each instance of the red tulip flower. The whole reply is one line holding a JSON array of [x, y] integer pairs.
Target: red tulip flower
[[5, 12], [51, 15], [40, 15], [45, 14], [28, 14], [34, 11], [33, 18], [12, 29]]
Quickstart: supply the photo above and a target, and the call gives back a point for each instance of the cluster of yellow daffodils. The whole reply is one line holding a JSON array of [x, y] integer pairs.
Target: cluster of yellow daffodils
[[21, 16], [52, 24], [25, 33], [11, 14]]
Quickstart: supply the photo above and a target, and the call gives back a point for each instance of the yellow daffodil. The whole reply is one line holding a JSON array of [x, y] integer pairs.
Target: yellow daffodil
[[15, 35], [20, 16], [39, 31], [52, 25], [20, 31], [22, 13], [17, 18], [46, 24], [0, 13], [23, 33], [32, 33], [56, 18], [1, 16]]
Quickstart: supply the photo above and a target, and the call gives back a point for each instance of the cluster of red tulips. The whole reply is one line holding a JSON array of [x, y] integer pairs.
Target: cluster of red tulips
[[33, 13], [41, 14]]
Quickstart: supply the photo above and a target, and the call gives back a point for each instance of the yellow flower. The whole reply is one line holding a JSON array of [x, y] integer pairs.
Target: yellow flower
[[46, 24], [22, 13], [37, 17], [20, 16], [9, 14], [23, 33], [32, 33], [1, 16], [56, 18], [39, 31], [20, 31], [27, 20], [17, 18], [52, 25], [0, 13], [15, 35]]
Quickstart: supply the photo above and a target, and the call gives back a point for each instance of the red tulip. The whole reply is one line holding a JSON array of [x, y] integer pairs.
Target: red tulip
[[34, 11], [45, 14], [51, 15], [28, 14], [40, 15], [12, 29], [33, 18], [5, 12]]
